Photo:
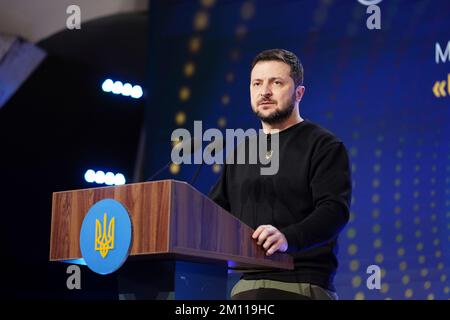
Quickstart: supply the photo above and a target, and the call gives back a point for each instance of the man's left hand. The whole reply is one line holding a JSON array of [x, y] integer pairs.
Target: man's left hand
[[271, 239]]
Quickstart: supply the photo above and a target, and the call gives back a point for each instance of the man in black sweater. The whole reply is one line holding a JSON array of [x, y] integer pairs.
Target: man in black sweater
[[302, 208]]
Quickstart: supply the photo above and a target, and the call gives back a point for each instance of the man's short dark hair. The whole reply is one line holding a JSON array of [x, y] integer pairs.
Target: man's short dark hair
[[284, 56]]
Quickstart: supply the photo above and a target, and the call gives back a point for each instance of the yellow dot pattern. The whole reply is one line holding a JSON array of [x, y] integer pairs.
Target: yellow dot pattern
[[200, 23], [174, 168], [396, 217], [411, 246]]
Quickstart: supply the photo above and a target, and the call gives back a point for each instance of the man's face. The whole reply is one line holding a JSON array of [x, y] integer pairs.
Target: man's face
[[272, 91]]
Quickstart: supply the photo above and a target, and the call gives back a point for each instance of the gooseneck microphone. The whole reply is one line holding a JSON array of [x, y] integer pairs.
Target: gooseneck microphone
[[158, 172]]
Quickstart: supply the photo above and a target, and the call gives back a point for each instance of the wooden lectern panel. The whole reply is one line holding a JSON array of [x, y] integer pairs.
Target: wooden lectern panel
[[202, 228], [169, 219]]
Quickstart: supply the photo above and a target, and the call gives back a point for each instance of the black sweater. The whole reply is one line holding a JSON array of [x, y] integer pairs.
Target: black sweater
[[308, 200]]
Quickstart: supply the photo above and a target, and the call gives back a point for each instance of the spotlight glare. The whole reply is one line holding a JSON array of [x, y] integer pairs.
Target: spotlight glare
[[89, 176], [100, 177], [127, 89], [117, 87], [107, 85], [109, 178], [136, 92], [119, 179]]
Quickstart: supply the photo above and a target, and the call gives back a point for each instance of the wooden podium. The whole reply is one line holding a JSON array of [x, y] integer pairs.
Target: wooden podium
[[182, 242]]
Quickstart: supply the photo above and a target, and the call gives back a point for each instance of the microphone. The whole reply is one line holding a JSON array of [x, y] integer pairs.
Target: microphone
[[216, 146], [190, 146]]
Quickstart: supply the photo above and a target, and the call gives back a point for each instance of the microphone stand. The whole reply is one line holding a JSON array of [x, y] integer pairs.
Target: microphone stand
[[213, 153], [192, 145], [159, 171], [196, 173]]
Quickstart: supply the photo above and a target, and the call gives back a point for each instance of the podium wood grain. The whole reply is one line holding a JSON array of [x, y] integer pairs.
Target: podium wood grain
[[169, 219]]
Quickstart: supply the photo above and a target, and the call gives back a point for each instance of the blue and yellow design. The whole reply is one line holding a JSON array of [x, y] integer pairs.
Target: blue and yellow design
[[104, 241], [105, 237]]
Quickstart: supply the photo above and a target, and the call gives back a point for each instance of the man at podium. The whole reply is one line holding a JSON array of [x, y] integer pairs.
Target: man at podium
[[302, 208]]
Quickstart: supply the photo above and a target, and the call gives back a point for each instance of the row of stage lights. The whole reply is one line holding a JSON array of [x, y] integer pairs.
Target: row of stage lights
[[108, 178], [125, 89]]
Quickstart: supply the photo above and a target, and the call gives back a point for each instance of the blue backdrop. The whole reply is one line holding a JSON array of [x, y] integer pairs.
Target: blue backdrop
[[372, 88]]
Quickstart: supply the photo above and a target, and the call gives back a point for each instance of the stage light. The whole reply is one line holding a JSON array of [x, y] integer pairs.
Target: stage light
[[117, 87], [100, 177], [125, 89], [109, 178], [107, 85], [136, 92], [119, 179], [89, 176]]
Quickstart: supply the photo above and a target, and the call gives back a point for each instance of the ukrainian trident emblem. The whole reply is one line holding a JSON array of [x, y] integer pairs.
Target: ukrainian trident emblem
[[104, 241], [105, 236]]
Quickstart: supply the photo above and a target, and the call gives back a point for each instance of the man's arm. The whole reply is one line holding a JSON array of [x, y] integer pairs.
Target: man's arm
[[331, 189]]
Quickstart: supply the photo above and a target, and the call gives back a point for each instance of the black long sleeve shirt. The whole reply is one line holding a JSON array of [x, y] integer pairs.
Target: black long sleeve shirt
[[308, 200]]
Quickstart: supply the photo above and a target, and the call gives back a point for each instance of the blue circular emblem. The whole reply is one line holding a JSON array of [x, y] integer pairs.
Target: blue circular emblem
[[105, 236]]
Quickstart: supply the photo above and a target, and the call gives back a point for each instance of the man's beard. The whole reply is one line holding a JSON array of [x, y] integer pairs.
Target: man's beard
[[278, 116]]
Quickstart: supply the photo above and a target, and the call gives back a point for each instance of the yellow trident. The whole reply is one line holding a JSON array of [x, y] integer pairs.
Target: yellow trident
[[104, 241]]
